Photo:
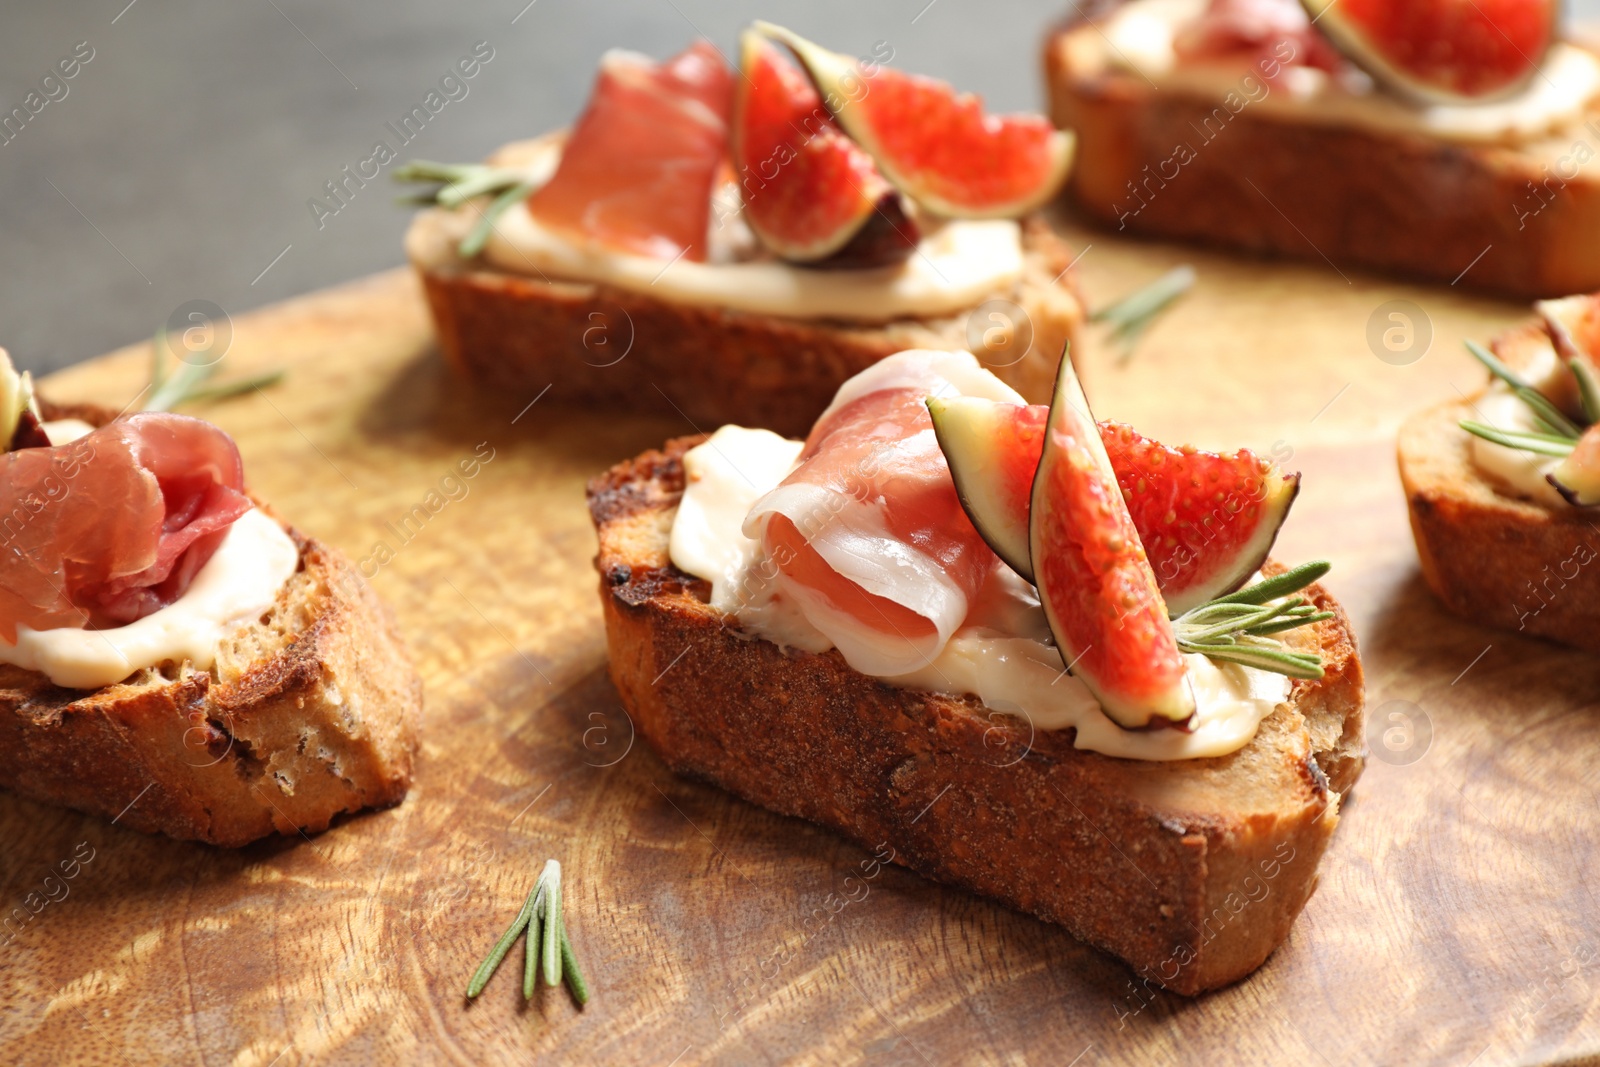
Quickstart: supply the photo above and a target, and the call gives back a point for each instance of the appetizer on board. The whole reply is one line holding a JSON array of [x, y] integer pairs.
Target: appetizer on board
[[1006, 642], [733, 245], [1443, 140], [173, 656], [1502, 485]]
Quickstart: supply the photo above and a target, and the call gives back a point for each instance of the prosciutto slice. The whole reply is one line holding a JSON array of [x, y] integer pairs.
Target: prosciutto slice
[[870, 542], [113, 526], [1258, 29], [638, 170]]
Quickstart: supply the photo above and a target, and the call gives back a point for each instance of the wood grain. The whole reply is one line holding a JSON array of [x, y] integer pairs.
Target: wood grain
[[1454, 919]]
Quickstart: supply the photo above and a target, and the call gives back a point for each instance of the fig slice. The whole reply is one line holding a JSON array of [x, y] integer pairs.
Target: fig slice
[[938, 146], [993, 451], [1207, 520], [809, 192], [1095, 584], [1442, 51], [1573, 323], [1578, 476]]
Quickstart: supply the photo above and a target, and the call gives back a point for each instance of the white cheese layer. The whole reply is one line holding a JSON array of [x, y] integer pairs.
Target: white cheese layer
[[1523, 473], [1003, 658], [958, 264], [1139, 38], [65, 431], [239, 582]]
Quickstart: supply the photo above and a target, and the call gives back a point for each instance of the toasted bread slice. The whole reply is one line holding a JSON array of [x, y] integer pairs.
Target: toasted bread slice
[[1264, 183], [310, 711], [1490, 557], [712, 365], [1191, 871]]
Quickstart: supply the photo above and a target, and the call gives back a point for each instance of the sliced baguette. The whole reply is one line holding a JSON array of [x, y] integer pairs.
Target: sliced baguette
[[1190, 871], [520, 334], [310, 711], [1489, 556], [1267, 184]]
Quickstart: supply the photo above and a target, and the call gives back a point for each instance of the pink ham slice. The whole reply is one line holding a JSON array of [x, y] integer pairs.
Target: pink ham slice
[[105, 530], [637, 173], [1258, 29], [870, 541]]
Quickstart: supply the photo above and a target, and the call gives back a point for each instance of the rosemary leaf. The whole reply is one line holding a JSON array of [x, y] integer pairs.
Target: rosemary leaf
[[1588, 389], [425, 170], [1547, 413], [530, 947], [1130, 316], [174, 390], [225, 390], [158, 363], [488, 180], [1290, 624], [473, 242], [1293, 664], [1496, 368], [1542, 444], [569, 969], [491, 962], [1291, 581], [1250, 623], [552, 923]]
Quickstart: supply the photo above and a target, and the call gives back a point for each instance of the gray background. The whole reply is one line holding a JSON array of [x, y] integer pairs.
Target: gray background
[[180, 162]]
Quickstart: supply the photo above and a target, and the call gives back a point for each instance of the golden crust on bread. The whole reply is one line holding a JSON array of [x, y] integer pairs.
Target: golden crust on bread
[[1192, 871], [711, 365], [309, 712], [1411, 205]]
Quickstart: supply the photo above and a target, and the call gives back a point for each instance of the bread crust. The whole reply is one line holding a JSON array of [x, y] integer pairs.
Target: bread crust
[[709, 365], [1492, 558], [1410, 205], [311, 711], [1190, 871]]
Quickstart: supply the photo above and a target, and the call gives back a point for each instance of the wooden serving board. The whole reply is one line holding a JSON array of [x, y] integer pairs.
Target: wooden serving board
[[1454, 924]]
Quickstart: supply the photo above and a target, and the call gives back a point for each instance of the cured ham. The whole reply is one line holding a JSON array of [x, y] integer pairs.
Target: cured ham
[[113, 526], [637, 173], [869, 540], [1278, 30]]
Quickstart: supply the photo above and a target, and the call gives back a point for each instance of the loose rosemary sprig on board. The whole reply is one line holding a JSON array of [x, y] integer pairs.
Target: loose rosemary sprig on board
[[1132, 315], [460, 182], [1239, 627], [187, 385], [547, 946]]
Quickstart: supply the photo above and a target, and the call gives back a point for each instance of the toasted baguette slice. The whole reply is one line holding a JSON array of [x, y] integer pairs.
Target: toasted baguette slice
[[310, 711], [1264, 183], [1490, 557], [519, 334], [1191, 871]]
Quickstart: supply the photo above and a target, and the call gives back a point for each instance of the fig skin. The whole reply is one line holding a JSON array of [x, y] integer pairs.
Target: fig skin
[[887, 239]]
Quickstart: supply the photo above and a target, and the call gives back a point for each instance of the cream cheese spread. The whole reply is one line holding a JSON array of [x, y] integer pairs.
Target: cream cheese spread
[[239, 582], [957, 265], [1522, 473], [1003, 656], [1139, 37]]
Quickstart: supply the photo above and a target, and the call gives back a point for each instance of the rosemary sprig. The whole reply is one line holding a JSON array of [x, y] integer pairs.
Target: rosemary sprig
[[1132, 315], [460, 182], [187, 385], [547, 945], [1548, 415], [491, 962], [474, 241], [1239, 627], [1588, 390], [1540, 444]]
